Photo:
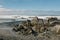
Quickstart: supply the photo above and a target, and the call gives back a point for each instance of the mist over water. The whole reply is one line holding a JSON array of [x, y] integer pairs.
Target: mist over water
[[33, 13]]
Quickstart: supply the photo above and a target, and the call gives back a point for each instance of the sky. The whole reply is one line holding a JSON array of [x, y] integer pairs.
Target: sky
[[30, 7]]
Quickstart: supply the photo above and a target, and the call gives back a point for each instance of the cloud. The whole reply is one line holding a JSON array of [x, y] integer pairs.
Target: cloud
[[6, 11]]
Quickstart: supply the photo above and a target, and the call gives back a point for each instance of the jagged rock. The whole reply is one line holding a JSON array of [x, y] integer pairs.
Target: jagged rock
[[34, 21], [56, 29], [34, 26], [52, 21], [27, 31], [37, 24]]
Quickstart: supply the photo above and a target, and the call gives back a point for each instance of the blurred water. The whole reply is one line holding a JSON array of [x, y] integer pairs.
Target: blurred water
[[4, 26], [8, 24]]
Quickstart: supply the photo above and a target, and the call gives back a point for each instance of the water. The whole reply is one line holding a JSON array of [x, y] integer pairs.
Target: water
[[8, 24]]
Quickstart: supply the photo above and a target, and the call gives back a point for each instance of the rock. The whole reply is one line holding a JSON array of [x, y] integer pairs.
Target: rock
[[27, 31], [56, 29], [34, 26]]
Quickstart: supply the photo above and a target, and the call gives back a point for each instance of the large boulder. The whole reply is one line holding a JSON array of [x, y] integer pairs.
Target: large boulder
[[52, 19], [56, 29], [34, 21]]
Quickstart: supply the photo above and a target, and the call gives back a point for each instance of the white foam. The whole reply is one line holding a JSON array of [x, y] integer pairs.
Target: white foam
[[22, 16]]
